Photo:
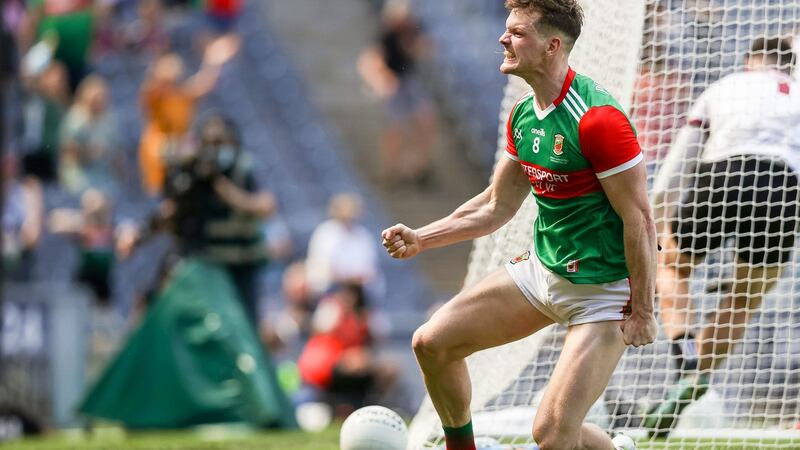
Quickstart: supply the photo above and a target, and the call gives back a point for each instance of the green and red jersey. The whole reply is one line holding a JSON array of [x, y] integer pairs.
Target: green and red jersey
[[566, 149]]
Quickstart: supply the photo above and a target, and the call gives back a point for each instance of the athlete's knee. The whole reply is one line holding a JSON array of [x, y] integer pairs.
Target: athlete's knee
[[554, 434], [430, 346], [427, 348]]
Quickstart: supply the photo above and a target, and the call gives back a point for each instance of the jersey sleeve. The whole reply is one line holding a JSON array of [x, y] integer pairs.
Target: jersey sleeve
[[608, 141], [511, 147]]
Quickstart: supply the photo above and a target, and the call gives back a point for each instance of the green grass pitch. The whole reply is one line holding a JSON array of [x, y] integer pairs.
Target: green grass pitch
[[221, 439], [326, 440]]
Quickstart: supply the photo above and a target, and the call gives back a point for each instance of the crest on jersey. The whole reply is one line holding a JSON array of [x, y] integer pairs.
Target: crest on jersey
[[572, 265], [523, 257], [558, 145], [517, 133]]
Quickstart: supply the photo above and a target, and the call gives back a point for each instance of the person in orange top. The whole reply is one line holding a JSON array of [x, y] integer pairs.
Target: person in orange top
[[168, 104]]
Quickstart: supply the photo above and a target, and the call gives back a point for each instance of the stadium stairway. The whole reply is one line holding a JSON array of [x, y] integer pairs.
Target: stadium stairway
[[324, 39]]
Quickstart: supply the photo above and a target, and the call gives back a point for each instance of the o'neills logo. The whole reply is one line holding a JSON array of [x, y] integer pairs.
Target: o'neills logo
[[558, 146]]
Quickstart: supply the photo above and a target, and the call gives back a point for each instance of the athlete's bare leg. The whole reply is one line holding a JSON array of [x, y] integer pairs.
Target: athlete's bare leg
[[491, 313], [730, 321], [590, 354], [672, 286]]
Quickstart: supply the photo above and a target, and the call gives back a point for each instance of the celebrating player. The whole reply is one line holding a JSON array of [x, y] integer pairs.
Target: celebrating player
[[592, 265], [745, 129]]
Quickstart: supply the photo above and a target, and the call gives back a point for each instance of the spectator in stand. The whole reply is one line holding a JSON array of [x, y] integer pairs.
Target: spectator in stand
[[336, 237], [280, 247], [93, 231], [215, 210], [390, 69], [92, 228], [293, 323], [168, 103], [89, 141], [340, 359], [23, 207], [222, 15], [145, 35], [12, 16], [44, 109], [71, 24]]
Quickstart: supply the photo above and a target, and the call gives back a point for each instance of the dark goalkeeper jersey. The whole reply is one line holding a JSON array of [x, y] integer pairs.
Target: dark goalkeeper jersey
[[584, 136]]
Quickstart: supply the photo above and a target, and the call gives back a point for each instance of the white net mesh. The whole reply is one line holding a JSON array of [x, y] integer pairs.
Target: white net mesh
[[655, 57]]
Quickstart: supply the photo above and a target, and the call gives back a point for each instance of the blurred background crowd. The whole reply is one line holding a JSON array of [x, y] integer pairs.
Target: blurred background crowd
[[270, 140], [139, 134]]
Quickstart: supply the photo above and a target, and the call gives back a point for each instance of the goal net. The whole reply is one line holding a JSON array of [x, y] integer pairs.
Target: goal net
[[655, 57]]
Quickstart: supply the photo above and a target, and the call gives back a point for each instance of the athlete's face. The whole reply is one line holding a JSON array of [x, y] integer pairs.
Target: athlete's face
[[522, 45], [524, 48]]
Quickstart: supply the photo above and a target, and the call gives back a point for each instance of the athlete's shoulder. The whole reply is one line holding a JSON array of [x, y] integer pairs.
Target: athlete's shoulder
[[591, 92], [521, 104], [526, 97]]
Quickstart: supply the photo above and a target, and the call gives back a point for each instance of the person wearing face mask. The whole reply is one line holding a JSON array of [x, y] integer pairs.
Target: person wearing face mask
[[215, 209]]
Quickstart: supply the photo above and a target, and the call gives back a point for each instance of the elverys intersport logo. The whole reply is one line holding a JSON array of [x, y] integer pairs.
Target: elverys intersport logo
[[549, 183]]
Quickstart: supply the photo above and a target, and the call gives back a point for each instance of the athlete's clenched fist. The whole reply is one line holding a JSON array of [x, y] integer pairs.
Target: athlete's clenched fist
[[401, 242]]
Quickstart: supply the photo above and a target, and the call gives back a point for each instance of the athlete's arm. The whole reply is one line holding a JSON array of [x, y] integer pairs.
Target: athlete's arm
[[479, 216], [680, 161], [609, 144], [627, 193]]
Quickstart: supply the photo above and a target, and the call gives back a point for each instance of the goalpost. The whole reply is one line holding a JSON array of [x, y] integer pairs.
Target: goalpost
[[655, 57]]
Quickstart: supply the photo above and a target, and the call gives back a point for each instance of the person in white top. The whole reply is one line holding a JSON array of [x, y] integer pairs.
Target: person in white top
[[341, 250], [743, 133]]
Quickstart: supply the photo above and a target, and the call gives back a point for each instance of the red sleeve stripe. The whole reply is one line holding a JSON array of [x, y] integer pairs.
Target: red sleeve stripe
[[511, 147], [511, 155], [620, 168]]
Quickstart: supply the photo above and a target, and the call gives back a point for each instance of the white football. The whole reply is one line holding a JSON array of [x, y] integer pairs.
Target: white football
[[373, 428], [623, 442]]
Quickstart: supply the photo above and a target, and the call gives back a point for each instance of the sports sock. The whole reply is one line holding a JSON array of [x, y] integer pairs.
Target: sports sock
[[459, 438], [684, 349]]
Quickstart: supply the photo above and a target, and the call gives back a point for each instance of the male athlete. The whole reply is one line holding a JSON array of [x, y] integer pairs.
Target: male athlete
[[592, 266], [746, 129]]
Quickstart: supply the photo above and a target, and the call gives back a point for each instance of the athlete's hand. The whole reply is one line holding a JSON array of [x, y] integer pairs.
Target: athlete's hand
[[639, 329], [401, 242]]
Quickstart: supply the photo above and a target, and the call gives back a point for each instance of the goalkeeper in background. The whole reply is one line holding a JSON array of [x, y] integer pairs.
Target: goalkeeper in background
[[593, 262], [744, 134]]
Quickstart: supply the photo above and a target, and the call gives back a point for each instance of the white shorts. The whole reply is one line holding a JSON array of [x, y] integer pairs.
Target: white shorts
[[567, 303]]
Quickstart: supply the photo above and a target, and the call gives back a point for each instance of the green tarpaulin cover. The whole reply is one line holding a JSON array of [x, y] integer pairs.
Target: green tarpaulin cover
[[195, 359]]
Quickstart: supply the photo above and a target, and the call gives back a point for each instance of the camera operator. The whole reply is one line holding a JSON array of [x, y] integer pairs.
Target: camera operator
[[215, 210]]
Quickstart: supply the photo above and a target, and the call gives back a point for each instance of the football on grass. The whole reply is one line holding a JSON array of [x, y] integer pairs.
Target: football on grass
[[373, 428]]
